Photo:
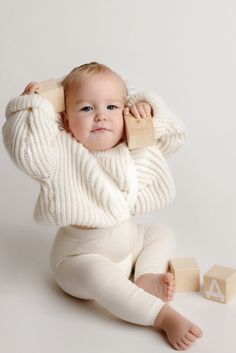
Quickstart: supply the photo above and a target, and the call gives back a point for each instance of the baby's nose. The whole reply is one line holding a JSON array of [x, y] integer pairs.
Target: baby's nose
[[100, 116]]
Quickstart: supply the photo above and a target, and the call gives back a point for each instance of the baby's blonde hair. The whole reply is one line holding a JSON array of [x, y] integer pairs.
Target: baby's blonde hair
[[86, 70]]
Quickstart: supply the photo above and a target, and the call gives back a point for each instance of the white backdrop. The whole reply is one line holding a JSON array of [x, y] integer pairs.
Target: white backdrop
[[185, 51]]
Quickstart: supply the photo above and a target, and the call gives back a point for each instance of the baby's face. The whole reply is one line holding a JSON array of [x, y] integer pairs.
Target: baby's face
[[94, 111]]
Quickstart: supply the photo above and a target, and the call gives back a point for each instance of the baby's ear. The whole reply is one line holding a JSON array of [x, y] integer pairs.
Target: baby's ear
[[64, 121]]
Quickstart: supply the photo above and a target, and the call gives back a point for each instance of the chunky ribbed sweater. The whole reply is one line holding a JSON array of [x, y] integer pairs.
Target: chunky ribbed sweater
[[90, 188]]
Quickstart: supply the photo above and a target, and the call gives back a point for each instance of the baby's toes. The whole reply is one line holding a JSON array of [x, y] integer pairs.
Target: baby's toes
[[196, 331], [169, 295], [170, 291], [180, 346], [171, 285], [170, 280], [184, 344], [188, 340], [169, 277]]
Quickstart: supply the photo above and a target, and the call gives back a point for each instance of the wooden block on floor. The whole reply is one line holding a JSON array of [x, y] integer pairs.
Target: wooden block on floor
[[54, 92], [187, 274], [220, 284], [139, 132]]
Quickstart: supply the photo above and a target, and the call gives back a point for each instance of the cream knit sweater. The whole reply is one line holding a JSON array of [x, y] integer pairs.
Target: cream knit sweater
[[90, 188]]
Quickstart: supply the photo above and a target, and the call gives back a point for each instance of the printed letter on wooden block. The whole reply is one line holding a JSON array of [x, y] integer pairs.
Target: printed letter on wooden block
[[220, 284], [54, 92], [187, 274], [139, 132]]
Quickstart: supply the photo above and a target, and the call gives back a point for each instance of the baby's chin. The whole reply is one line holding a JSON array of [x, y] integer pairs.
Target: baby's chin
[[103, 145]]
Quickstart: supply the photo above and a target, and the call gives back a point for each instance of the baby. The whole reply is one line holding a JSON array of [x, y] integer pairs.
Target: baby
[[92, 186]]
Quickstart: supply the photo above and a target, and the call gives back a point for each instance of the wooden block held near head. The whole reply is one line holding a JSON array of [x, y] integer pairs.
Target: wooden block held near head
[[187, 274], [139, 132], [54, 92], [220, 284]]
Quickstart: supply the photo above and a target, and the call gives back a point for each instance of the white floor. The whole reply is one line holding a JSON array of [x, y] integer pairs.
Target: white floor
[[37, 317]]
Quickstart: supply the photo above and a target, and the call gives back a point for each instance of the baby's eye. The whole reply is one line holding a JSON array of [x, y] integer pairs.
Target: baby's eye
[[111, 107], [86, 109]]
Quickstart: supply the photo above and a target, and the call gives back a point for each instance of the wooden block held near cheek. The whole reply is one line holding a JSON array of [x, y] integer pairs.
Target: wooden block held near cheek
[[139, 132], [54, 92]]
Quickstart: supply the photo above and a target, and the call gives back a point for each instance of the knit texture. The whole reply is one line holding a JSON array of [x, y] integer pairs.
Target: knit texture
[[90, 188]]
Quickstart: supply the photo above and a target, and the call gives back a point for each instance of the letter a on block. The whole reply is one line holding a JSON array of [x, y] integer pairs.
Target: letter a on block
[[214, 291]]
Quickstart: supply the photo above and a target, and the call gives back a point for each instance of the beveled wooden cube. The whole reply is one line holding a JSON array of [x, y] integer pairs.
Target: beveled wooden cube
[[53, 91], [187, 274], [220, 284], [139, 132]]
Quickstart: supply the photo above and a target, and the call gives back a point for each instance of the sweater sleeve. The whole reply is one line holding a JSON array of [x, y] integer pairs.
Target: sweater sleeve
[[29, 135], [169, 131]]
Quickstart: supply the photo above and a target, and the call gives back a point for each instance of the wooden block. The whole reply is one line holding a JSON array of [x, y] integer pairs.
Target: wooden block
[[187, 274], [139, 132], [54, 92], [220, 284]]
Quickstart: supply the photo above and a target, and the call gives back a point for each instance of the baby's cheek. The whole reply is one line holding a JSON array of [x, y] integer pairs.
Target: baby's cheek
[[121, 125]]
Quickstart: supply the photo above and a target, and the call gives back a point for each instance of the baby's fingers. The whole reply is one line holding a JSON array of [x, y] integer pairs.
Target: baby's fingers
[[147, 108], [134, 111], [31, 88], [142, 110], [126, 111]]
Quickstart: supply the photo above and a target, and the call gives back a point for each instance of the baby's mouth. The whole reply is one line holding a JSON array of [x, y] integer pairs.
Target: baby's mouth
[[102, 128]]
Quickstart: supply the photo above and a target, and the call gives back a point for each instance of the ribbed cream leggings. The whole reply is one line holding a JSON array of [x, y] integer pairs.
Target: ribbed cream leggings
[[97, 263]]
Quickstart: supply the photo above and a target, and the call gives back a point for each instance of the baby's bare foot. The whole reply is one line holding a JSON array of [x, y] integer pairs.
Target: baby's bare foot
[[180, 332], [160, 285]]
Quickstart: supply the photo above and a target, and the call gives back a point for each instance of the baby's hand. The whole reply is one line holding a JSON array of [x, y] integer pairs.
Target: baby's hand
[[140, 110], [31, 88]]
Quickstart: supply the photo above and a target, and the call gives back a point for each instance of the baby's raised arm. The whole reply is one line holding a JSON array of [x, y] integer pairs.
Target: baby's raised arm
[[169, 131], [30, 133]]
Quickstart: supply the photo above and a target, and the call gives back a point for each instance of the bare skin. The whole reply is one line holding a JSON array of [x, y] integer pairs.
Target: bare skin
[[161, 285], [180, 332]]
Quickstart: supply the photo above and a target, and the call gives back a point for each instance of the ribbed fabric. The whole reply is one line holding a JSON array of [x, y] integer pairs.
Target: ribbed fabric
[[92, 277], [90, 188], [86, 262]]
